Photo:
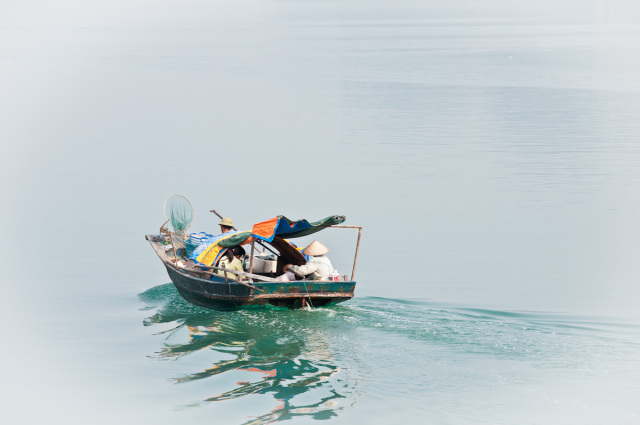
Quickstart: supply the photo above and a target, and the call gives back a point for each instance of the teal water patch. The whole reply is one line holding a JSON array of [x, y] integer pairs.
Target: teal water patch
[[318, 363], [535, 336], [282, 355]]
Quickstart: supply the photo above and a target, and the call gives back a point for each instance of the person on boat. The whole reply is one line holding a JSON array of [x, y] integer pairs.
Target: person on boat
[[232, 260], [226, 225], [286, 277], [317, 268]]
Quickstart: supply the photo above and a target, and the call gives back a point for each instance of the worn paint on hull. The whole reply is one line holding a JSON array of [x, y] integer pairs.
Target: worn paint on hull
[[217, 294]]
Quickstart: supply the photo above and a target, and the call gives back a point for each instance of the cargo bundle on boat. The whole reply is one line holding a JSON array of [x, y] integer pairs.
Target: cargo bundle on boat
[[198, 263]]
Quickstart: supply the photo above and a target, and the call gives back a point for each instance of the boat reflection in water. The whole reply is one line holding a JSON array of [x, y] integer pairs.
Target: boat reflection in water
[[282, 354]]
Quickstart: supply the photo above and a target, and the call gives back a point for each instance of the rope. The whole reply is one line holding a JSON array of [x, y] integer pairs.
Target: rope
[[308, 295]]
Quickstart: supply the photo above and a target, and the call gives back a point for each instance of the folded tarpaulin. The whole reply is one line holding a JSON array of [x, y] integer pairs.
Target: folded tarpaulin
[[211, 242], [285, 228], [210, 252]]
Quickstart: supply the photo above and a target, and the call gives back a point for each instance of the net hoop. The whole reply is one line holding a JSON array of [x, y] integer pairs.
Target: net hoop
[[170, 217]]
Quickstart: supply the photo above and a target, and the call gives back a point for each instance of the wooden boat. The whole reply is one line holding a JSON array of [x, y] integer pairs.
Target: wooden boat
[[211, 286]]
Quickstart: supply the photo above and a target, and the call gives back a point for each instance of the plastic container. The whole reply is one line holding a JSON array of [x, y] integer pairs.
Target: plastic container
[[260, 265], [198, 238], [190, 247]]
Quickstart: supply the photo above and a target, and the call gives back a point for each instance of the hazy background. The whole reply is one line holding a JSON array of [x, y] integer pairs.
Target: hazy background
[[489, 149]]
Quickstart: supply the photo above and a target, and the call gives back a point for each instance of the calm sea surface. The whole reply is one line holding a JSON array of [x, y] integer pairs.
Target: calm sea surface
[[494, 164]]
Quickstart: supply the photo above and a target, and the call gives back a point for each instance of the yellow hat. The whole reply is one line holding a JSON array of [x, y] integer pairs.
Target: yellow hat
[[226, 222], [315, 248]]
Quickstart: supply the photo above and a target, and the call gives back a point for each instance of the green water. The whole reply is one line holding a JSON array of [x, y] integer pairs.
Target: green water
[[388, 360]]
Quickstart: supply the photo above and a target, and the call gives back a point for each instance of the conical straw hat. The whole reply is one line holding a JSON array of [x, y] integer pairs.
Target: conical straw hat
[[315, 248]]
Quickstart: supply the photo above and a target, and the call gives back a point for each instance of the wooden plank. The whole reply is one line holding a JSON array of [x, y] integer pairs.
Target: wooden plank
[[194, 267]]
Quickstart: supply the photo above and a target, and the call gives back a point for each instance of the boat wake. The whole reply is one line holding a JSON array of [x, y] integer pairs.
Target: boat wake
[[317, 362]]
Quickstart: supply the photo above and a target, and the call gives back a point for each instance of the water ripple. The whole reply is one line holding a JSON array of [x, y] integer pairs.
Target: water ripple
[[317, 362]]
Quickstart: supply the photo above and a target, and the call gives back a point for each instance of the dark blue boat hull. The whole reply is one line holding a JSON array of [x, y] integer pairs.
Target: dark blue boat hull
[[218, 294]]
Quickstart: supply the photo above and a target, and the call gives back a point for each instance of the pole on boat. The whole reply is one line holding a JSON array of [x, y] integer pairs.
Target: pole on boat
[[253, 246], [220, 217], [163, 228], [265, 247], [173, 246], [355, 259]]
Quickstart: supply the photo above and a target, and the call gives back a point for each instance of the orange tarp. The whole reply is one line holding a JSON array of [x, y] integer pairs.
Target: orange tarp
[[266, 228]]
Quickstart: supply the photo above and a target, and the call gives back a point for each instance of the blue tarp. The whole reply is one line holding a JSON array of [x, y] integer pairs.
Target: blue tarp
[[208, 242]]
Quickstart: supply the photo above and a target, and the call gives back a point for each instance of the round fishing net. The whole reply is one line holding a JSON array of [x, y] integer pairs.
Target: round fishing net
[[178, 210]]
